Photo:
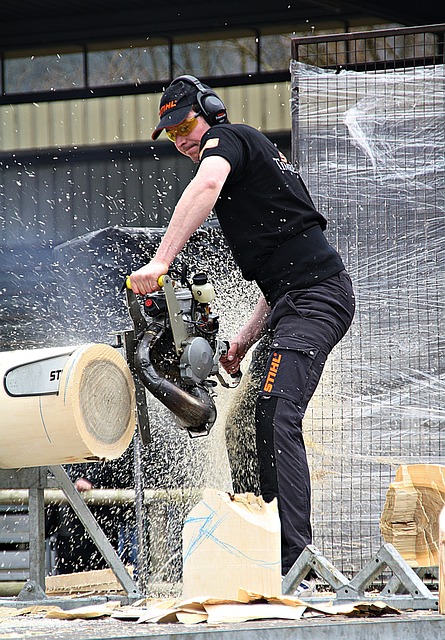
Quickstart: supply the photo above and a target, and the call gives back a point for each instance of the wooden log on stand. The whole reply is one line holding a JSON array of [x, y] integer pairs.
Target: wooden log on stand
[[64, 405]]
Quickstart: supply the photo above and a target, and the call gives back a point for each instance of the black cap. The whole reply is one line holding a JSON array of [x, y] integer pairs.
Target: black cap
[[177, 101]]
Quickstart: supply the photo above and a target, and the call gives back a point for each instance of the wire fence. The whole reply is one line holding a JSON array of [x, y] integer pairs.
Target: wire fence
[[368, 134]]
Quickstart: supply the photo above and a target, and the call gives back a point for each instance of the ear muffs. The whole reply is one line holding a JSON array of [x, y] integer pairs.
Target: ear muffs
[[212, 107]]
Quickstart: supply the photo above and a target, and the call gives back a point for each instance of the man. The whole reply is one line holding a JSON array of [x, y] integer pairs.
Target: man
[[276, 237]]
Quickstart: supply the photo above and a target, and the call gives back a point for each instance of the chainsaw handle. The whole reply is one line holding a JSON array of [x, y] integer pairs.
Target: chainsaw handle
[[128, 281], [236, 377]]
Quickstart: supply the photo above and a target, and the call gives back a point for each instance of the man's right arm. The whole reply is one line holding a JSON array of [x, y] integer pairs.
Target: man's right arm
[[193, 207]]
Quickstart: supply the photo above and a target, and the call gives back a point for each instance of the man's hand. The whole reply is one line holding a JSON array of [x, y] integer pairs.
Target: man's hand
[[232, 359], [247, 336], [145, 279], [82, 484]]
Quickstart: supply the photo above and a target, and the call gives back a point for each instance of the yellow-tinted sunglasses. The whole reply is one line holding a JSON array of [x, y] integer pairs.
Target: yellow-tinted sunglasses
[[182, 129]]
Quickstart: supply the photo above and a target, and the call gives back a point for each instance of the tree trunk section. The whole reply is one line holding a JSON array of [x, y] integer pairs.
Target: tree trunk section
[[64, 405]]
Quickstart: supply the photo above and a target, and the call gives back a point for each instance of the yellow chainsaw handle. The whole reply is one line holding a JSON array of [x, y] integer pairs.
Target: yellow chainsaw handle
[[160, 281]]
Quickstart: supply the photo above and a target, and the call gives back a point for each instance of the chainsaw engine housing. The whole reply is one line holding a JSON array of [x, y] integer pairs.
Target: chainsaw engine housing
[[180, 350]]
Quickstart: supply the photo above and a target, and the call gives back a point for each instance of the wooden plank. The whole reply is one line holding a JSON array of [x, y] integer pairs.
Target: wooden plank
[[97, 581]]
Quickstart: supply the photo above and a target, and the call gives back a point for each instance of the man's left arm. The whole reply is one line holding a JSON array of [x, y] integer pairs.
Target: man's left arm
[[250, 333], [192, 209]]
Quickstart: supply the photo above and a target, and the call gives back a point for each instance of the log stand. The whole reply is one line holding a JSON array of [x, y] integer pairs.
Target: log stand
[[36, 480], [405, 590]]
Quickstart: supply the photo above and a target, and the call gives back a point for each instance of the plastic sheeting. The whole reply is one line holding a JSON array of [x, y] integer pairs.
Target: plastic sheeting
[[371, 148]]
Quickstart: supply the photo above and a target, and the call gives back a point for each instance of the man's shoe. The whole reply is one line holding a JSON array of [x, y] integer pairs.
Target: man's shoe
[[306, 588]]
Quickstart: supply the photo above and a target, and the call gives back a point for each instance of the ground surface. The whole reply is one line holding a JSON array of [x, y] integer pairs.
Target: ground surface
[[409, 626]]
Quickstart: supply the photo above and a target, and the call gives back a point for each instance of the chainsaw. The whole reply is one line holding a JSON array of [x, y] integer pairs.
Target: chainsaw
[[177, 348]]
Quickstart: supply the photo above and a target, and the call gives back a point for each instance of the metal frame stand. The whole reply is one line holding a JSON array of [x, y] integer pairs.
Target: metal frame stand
[[36, 480], [405, 590]]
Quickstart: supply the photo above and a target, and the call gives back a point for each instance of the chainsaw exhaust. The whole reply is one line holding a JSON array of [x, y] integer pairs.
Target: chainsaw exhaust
[[195, 410]]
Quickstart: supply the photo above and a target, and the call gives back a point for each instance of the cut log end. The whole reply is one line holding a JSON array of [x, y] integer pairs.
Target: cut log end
[[84, 411]]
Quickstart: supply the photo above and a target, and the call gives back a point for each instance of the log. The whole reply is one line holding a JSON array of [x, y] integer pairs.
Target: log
[[231, 542], [64, 405], [410, 518]]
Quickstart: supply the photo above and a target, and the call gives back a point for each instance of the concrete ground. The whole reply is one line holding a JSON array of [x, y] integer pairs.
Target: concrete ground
[[407, 626]]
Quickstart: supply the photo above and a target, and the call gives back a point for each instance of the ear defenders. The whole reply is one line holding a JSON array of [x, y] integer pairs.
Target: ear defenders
[[211, 105]]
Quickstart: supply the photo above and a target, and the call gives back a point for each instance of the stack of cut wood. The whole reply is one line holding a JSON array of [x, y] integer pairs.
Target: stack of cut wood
[[410, 518]]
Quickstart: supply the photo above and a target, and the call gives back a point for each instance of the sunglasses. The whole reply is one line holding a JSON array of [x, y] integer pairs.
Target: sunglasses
[[182, 129]]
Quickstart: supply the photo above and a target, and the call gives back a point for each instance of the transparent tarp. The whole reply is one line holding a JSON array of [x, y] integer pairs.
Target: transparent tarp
[[371, 148]]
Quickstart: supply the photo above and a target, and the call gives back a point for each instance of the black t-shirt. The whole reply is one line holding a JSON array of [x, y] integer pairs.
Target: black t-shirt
[[266, 213]]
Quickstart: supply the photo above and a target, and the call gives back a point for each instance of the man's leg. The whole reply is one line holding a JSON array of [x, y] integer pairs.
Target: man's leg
[[284, 471], [306, 326]]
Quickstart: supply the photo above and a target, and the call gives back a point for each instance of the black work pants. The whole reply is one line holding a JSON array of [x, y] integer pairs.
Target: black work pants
[[305, 324]]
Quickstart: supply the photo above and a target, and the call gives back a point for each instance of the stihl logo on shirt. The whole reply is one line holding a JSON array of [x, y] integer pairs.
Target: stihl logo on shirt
[[273, 369], [167, 106]]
